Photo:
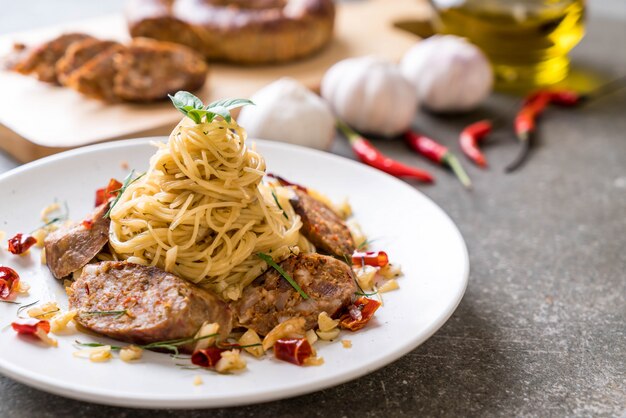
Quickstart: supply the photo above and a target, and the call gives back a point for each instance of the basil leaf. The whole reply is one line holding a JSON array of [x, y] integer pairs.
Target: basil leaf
[[188, 105], [218, 111], [230, 103]]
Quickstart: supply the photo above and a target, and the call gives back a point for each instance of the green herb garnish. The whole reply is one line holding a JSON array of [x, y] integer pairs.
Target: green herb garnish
[[283, 273], [171, 345], [192, 107], [278, 204], [127, 182], [10, 301], [21, 308]]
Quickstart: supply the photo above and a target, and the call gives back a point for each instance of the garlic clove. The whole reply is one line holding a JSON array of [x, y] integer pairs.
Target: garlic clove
[[448, 73], [287, 111]]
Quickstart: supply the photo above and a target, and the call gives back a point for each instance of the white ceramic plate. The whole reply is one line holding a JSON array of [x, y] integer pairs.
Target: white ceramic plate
[[414, 231]]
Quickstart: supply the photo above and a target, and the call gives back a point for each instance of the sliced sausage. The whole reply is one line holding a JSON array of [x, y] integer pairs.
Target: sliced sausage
[[71, 247], [42, 60], [149, 70], [78, 54], [321, 225], [96, 78], [270, 299], [156, 305]]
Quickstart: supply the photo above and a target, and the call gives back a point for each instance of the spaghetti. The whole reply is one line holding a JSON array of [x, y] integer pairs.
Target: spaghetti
[[202, 211]]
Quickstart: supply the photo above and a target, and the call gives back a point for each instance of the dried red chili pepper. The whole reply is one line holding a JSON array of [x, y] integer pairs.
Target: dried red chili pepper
[[31, 327], [9, 282], [370, 258], [283, 182], [293, 350], [207, 357], [438, 153], [370, 155], [104, 194], [359, 314], [524, 125], [19, 246], [471, 136], [87, 223]]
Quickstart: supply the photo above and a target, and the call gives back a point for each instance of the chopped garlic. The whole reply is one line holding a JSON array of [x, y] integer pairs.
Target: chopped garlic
[[96, 354], [311, 336], [48, 210], [230, 361], [328, 335], [365, 276], [346, 343], [40, 236], [60, 321], [23, 288], [390, 271], [43, 336], [197, 381], [325, 322], [344, 209], [42, 256], [388, 286], [291, 328], [206, 329], [46, 311], [130, 353], [2, 235], [251, 337], [313, 361]]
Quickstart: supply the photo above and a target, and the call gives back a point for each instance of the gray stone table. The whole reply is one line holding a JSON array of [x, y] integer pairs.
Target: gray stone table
[[541, 330]]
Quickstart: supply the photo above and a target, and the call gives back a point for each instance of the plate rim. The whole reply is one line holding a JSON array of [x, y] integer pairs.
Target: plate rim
[[64, 388]]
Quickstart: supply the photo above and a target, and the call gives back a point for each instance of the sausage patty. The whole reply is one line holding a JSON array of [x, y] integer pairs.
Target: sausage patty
[[321, 225], [78, 54], [156, 305], [71, 247], [270, 299]]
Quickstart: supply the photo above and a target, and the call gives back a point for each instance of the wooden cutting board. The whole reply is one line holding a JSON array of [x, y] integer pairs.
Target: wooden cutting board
[[37, 119]]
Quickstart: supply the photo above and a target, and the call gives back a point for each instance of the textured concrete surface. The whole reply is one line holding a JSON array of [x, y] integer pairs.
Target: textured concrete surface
[[541, 330]]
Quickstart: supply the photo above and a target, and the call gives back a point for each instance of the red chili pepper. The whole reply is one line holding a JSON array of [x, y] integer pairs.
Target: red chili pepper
[[207, 357], [293, 350], [9, 282], [31, 327], [524, 124], [112, 189], [284, 182], [438, 153], [370, 155], [370, 258], [469, 138], [19, 246], [359, 314]]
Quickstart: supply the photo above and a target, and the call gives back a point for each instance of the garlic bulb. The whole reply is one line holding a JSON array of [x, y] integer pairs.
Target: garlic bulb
[[371, 95], [289, 112], [449, 73]]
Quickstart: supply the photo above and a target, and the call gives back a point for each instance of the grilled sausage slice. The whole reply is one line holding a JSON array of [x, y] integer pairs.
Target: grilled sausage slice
[[321, 225], [149, 70], [155, 305], [270, 299], [71, 247], [78, 54], [42, 60], [96, 77]]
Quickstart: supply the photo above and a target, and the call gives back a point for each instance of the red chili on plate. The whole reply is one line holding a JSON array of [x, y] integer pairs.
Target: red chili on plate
[[370, 258], [112, 189], [359, 314], [9, 282], [19, 246], [32, 327], [207, 357], [293, 350]]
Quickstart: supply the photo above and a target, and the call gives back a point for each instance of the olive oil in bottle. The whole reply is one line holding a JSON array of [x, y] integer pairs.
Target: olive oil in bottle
[[527, 41]]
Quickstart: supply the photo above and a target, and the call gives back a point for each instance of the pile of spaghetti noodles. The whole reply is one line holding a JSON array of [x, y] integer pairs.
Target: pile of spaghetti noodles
[[202, 212]]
